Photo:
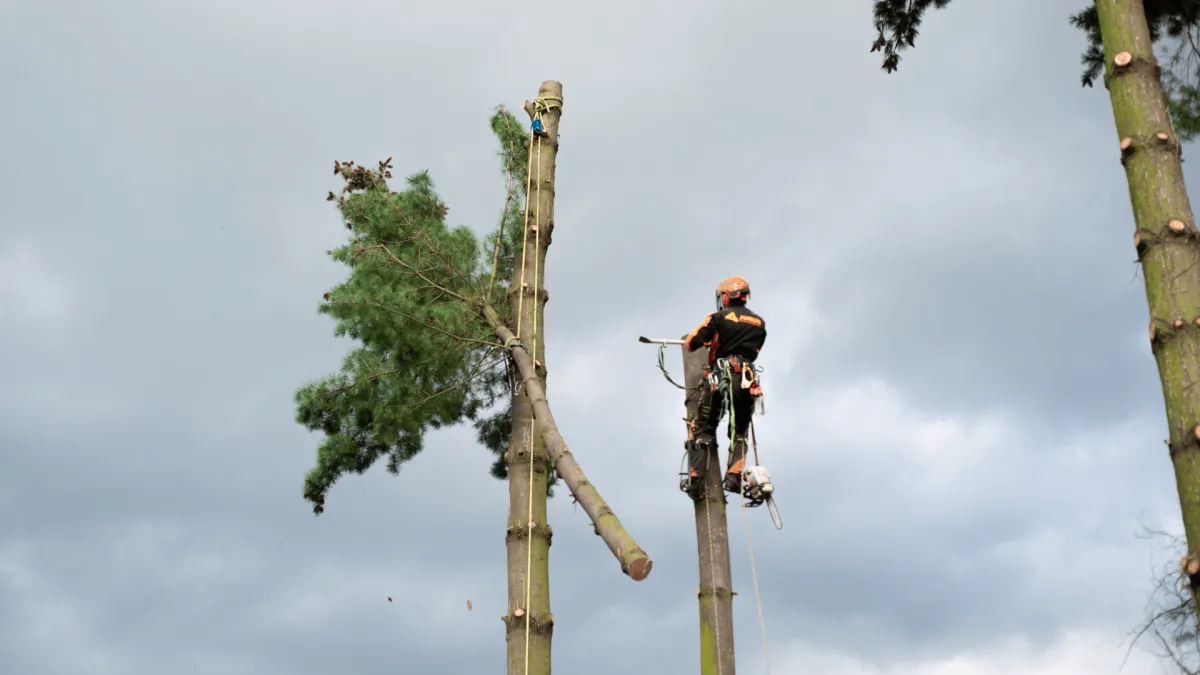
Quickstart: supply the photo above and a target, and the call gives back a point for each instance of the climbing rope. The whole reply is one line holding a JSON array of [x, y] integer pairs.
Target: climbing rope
[[533, 137], [708, 508], [762, 623], [712, 559], [543, 104], [662, 365], [753, 570]]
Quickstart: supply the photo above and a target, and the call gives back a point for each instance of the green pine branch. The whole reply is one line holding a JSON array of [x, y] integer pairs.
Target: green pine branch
[[1174, 26], [427, 355]]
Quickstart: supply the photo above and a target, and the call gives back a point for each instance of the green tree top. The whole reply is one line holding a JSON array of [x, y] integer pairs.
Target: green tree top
[[427, 356], [1174, 26]]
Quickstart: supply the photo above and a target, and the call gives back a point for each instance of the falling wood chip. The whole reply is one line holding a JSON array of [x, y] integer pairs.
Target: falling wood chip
[[468, 605]]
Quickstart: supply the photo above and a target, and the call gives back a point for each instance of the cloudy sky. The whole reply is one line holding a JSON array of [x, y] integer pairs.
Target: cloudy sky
[[963, 415]]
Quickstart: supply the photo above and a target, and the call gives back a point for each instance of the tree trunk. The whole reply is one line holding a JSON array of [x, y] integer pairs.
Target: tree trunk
[[529, 623], [712, 544], [1166, 240]]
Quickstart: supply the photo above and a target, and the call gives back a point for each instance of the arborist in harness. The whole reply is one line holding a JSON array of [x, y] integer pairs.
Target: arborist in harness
[[734, 336]]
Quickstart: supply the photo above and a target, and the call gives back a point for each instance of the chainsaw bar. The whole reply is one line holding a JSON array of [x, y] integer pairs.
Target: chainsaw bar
[[774, 513], [769, 500]]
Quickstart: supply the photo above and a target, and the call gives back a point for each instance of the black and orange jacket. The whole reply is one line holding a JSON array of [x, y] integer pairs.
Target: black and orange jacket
[[730, 331]]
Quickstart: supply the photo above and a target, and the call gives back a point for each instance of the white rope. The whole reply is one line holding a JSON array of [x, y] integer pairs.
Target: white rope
[[757, 598]]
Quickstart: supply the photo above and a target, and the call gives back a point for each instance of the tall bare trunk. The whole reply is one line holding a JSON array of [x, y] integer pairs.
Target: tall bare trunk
[[535, 442], [530, 624], [531, 398], [1166, 240], [712, 544]]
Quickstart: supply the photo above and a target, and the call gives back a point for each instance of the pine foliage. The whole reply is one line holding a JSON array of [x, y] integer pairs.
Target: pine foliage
[[426, 357], [1174, 28]]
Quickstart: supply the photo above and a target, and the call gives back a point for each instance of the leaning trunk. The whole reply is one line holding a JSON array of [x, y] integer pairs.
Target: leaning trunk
[[1166, 239], [529, 402], [712, 543], [634, 561], [529, 622]]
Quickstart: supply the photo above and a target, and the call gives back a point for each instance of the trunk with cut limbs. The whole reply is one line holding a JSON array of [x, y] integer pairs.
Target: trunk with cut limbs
[[536, 443], [1166, 240], [529, 622], [712, 543]]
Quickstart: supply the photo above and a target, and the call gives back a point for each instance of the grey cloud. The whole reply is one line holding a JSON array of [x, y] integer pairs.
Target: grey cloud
[[172, 165]]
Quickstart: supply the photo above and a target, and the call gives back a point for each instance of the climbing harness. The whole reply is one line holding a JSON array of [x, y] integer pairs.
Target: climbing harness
[[757, 488], [756, 480]]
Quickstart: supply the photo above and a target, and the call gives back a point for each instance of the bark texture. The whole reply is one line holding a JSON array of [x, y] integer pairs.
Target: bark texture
[[530, 625], [1165, 237], [712, 544]]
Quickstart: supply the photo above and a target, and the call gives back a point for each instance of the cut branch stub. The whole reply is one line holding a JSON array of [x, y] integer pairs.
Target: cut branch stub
[[1179, 323], [1153, 332], [1137, 241], [1126, 143], [1196, 432], [518, 612], [1162, 135], [1190, 565], [1177, 225], [1122, 59]]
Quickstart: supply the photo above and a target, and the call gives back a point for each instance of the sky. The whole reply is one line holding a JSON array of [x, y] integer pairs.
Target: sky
[[963, 417]]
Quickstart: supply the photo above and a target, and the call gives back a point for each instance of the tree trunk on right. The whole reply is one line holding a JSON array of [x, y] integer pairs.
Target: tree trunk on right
[[1166, 240], [712, 543]]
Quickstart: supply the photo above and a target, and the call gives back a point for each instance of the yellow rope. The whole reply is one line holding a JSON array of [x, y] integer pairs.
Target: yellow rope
[[543, 104], [520, 304], [540, 105], [712, 556], [712, 565]]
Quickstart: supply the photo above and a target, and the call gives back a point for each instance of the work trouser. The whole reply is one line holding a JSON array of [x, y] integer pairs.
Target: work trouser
[[714, 399]]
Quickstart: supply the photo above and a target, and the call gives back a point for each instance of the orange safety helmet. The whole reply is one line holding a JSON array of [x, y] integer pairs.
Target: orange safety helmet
[[732, 287]]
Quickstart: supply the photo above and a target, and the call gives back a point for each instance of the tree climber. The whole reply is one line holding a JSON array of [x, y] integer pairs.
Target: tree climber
[[734, 336]]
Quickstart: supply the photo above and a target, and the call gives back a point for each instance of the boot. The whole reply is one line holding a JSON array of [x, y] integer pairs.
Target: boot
[[693, 483], [737, 464], [733, 482]]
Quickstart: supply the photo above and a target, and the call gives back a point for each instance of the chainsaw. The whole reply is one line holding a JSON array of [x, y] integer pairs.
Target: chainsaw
[[757, 489]]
